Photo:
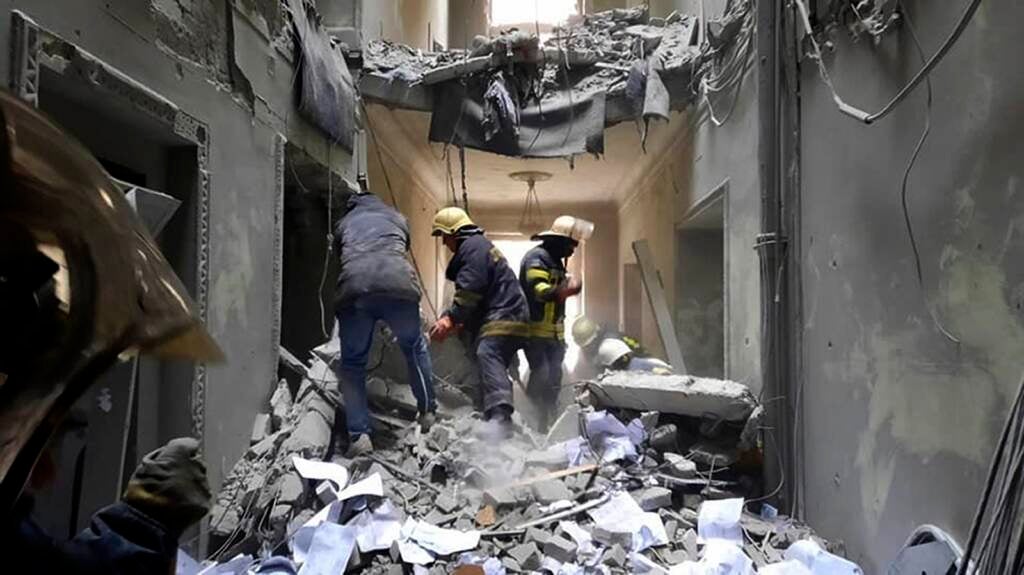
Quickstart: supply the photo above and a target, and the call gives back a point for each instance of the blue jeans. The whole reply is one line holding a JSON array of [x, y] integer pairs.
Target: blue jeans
[[355, 325]]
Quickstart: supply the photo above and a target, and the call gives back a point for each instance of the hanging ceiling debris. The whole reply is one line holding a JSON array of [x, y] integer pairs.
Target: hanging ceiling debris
[[518, 96]]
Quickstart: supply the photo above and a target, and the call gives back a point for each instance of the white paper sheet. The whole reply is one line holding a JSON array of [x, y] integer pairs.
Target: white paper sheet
[[820, 562], [688, 568], [636, 431], [377, 529], [372, 485], [791, 567], [578, 534], [610, 437], [438, 540], [723, 558], [186, 565], [720, 520], [303, 536], [321, 471], [330, 550], [622, 512]]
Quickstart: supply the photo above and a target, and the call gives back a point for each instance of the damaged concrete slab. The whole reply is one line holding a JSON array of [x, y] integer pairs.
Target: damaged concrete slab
[[679, 394]]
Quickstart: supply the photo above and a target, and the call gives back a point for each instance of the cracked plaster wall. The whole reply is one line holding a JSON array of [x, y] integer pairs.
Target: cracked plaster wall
[[899, 423]]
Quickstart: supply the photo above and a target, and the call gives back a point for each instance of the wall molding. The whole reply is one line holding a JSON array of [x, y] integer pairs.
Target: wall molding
[[29, 56]]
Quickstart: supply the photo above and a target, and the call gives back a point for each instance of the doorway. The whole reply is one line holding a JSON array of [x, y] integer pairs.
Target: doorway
[[701, 286]]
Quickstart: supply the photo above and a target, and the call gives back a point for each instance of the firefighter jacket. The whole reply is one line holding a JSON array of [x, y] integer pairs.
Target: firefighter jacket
[[541, 275], [371, 242], [488, 300]]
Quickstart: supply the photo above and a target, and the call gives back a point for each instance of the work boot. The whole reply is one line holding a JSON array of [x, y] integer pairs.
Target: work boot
[[427, 419], [498, 423], [359, 446]]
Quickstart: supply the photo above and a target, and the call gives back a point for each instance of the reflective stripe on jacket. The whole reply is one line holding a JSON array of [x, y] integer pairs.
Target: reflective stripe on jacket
[[488, 300], [541, 275]]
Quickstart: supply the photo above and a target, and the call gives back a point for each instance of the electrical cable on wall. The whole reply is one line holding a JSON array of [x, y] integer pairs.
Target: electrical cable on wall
[[906, 176], [329, 249], [868, 118]]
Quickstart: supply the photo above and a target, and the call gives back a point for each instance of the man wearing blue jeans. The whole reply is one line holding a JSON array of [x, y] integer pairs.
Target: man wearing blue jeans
[[376, 282]]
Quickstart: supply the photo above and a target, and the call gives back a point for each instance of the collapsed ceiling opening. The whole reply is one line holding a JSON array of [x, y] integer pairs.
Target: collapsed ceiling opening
[[517, 96]]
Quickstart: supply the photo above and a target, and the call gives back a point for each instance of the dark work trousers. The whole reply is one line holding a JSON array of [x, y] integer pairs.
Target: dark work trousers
[[494, 355], [356, 323], [545, 357]]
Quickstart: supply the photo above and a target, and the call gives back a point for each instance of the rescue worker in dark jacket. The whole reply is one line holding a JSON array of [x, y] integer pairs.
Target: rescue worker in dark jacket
[[377, 282], [488, 304], [547, 286]]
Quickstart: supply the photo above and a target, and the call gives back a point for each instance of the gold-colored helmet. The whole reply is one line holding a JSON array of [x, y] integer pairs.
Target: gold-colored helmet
[[84, 281], [448, 221]]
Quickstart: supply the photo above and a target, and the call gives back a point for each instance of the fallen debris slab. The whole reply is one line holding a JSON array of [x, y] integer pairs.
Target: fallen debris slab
[[679, 394]]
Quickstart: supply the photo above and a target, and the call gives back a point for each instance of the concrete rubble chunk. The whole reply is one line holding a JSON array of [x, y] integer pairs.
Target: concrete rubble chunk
[[261, 427], [621, 535], [560, 549], [280, 404], [690, 542], [678, 394], [523, 552], [551, 490], [654, 498], [615, 556], [511, 565], [500, 497], [678, 466], [537, 536], [446, 503]]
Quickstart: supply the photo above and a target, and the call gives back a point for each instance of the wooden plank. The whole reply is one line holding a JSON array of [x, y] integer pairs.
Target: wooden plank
[[555, 475], [659, 305]]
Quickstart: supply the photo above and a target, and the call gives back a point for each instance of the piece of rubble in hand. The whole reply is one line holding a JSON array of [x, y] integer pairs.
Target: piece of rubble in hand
[[654, 498], [560, 549]]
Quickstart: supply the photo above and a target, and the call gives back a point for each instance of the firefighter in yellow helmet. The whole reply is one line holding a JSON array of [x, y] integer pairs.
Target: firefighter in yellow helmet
[[608, 349], [488, 307], [547, 285]]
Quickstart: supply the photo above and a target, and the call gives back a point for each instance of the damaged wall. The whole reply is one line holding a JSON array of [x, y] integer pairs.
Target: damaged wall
[[900, 422], [182, 51], [406, 21]]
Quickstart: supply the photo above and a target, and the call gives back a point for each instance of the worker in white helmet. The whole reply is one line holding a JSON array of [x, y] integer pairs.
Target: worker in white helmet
[[591, 338], [615, 355]]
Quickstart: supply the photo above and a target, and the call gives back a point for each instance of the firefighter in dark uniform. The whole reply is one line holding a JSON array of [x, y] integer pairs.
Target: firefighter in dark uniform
[[547, 285], [488, 306]]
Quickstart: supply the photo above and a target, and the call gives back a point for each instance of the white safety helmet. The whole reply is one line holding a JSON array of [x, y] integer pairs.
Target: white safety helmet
[[569, 227], [612, 350]]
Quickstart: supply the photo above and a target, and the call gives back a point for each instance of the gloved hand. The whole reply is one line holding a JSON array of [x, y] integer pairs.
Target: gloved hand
[[170, 485], [443, 327], [571, 287]]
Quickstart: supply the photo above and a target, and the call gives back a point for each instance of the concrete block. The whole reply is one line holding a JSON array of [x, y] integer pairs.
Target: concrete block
[[537, 536], [260, 428], [326, 492], [613, 535], [523, 552], [311, 437], [678, 466], [291, 489], [690, 542], [500, 497], [615, 556], [676, 556], [678, 394], [511, 565], [547, 492], [446, 503], [560, 549], [654, 498], [671, 528]]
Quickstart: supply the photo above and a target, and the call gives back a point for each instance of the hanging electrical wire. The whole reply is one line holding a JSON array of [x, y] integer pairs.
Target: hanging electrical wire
[[922, 75], [726, 71]]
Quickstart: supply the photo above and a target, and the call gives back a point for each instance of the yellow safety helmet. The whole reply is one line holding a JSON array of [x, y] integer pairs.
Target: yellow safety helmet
[[447, 221], [571, 227], [585, 331]]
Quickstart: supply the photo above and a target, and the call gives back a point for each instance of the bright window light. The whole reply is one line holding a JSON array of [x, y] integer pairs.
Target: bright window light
[[507, 12]]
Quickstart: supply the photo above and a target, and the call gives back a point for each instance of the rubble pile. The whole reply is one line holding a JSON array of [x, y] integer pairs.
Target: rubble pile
[[610, 489]]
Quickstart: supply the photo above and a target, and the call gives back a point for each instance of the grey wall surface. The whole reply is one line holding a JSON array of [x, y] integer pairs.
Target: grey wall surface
[[187, 56], [899, 423]]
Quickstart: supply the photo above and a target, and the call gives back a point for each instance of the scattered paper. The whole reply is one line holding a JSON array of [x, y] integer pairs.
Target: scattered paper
[[720, 520], [622, 513], [378, 528], [578, 534], [439, 540], [610, 437], [723, 558], [576, 451], [303, 536], [820, 562], [490, 565], [413, 554], [186, 565], [688, 568], [372, 485], [791, 567], [637, 432], [322, 471], [330, 550], [238, 565]]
